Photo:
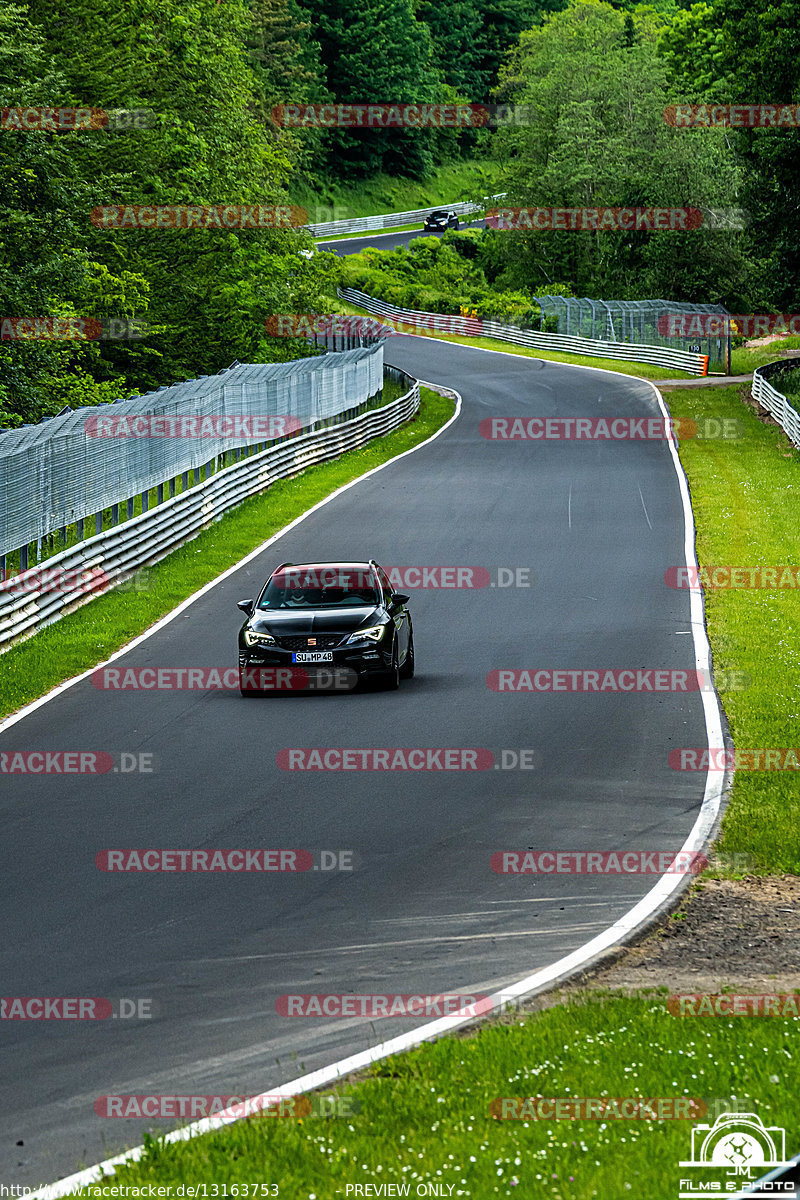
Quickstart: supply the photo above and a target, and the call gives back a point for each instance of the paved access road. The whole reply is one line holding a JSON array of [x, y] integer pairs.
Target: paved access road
[[597, 524]]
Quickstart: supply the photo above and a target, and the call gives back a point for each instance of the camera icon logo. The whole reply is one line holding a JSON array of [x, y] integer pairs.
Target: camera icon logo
[[737, 1141]]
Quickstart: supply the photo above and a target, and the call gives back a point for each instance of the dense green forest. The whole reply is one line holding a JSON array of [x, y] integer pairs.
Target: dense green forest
[[594, 78]]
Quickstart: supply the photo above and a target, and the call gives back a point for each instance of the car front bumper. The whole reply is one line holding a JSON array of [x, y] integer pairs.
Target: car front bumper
[[354, 663]]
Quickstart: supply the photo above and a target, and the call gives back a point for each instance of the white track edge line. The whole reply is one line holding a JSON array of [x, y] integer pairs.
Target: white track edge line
[[13, 718], [571, 963]]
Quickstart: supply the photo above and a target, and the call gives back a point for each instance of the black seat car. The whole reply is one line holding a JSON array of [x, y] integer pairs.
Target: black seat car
[[317, 619], [439, 221]]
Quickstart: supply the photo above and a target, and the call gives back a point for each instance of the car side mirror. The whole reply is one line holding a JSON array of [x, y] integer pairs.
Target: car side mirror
[[400, 598], [247, 607]]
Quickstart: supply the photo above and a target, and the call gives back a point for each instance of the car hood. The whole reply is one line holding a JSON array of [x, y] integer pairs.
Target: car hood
[[286, 623]]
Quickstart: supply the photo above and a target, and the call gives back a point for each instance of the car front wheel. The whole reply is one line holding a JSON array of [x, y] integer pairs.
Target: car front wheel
[[407, 669], [392, 678]]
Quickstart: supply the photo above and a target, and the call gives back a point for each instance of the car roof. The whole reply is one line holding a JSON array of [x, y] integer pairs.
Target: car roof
[[335, 562]]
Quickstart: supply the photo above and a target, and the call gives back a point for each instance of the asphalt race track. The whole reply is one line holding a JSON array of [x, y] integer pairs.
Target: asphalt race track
[[597, 524]]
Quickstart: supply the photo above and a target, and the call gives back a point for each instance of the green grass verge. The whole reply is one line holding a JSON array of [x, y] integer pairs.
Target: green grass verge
[[424, 1117], [463, 179], [78, 641], [642, 370], [745, 497], [744, 361]]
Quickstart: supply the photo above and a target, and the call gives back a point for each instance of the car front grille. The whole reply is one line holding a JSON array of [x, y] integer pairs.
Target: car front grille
[[326, 642]]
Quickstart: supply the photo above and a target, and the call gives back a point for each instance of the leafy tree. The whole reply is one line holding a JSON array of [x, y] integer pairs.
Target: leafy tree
[[211, 290], [286, 66], [377, 52], [456, 29], [46, 268], [502, 23], [756, 60], [598, 138], [692, 46]]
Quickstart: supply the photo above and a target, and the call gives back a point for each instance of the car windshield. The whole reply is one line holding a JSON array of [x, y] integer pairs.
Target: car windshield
[[437, 216], [321, 587]]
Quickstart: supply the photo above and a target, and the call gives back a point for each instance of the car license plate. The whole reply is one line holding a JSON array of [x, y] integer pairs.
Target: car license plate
[[312, 656]]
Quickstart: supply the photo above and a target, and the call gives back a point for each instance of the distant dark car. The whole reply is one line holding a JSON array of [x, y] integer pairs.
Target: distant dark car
[[439, 221], [314, 617]]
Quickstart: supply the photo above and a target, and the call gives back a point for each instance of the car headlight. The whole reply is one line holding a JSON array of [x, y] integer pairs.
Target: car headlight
[[374, 634], [253, 637]]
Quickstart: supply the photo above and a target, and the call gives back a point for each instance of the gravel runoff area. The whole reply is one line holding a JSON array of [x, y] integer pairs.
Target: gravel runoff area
[[741, 934]]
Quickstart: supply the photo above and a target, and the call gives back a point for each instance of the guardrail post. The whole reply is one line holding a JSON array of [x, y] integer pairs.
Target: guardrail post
[[172, 487], [145, 501], [185, 481], [160, 494], [79, 529], [115, 514], [129, 507], [98, 521], [23, 558]]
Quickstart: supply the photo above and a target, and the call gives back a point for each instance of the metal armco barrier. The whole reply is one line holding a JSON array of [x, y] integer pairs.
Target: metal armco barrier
[[40, 595], [392, 220], [774, 402], [663, 356]]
